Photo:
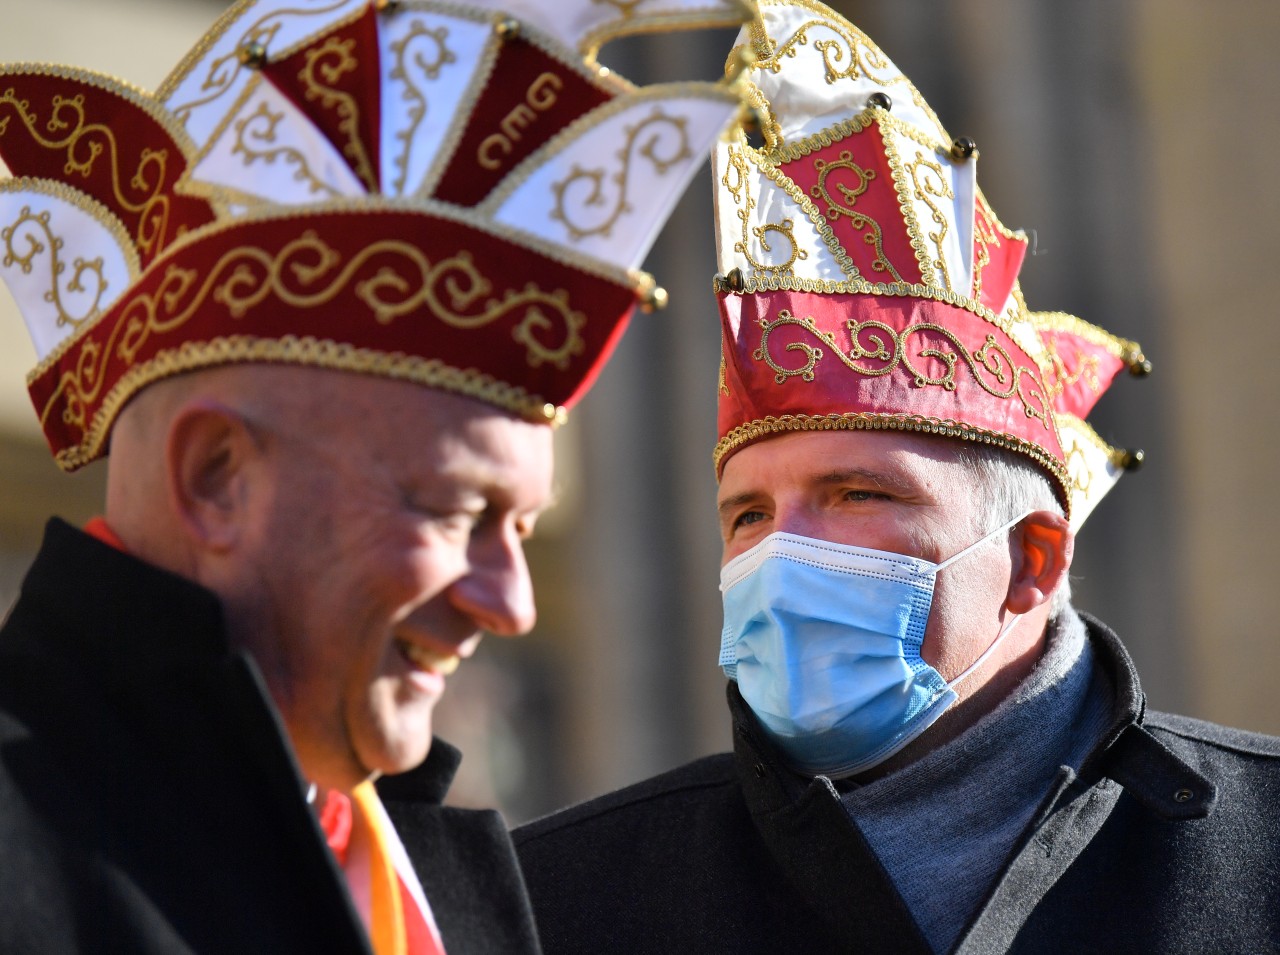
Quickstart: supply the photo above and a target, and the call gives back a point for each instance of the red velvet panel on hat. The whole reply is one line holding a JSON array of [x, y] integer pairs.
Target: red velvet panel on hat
[[997, 258], [73, 131], [529, 97], [1081, 370], [851, 183], [394, 292], [882, 361], [336, 81]]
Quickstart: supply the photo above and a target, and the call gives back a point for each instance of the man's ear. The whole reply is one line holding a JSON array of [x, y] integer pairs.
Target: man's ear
[[209, 456], [1043, 547]]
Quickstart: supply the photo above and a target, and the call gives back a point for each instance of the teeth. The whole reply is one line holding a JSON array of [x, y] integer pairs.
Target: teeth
[[442, 663]]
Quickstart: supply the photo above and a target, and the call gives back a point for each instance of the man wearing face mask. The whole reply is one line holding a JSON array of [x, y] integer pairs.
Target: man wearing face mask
[[933, 751]]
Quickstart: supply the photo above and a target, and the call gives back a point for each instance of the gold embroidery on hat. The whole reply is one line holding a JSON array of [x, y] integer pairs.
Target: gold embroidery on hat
[[225, 70], [539, 97], [927, 188], [1077, 438], [883, 343], [307, 351], [413, 94], [264, 134], [984, 236], [677, 151], [1122, 348], [863, 55], [481, 74], [724, 377], [769, 53], [39, 239], [84, 143], [1059, 380], [739, 187], [859, 220], [571, 134], [307, 273], [341, 60]]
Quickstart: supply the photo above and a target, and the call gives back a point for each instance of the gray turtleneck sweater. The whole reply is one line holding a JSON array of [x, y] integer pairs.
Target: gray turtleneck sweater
[[944, 826]]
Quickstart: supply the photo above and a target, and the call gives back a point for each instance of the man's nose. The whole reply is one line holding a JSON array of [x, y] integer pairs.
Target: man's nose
[[497, 592]]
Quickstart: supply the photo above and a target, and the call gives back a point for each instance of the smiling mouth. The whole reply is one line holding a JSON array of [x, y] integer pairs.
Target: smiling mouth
[[424, 658]]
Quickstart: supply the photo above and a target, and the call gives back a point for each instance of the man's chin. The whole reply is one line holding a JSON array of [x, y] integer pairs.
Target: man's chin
[[398, 756]]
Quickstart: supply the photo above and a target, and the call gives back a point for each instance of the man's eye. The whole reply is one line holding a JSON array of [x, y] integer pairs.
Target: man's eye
[[860, 496], [747, 517]]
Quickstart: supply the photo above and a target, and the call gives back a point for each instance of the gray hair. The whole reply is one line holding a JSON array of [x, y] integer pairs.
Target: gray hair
[[1010, 484]]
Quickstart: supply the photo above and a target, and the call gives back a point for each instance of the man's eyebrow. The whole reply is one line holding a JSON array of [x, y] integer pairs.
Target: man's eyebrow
[[852, 475], [731, 503], [880, 479]]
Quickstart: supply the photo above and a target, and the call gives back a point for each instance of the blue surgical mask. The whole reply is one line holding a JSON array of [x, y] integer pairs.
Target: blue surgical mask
[[824, 641]]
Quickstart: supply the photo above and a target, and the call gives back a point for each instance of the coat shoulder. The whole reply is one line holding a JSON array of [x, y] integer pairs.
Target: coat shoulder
[[709, 779], [1182, 732]]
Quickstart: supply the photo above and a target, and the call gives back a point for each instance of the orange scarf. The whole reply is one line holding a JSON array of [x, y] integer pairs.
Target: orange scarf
[[397, 926]]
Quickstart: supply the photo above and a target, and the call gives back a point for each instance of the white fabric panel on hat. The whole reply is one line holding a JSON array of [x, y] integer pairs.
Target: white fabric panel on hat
[[1092, 467], [940, 195], [605, 187], [830, 71], [429, 62], [207, 84], [268, 150], [578, 23], [65, 258], [773, 217]]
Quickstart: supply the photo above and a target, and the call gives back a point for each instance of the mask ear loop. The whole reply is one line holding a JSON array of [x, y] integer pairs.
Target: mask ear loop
[[983, 539], [982, 657]]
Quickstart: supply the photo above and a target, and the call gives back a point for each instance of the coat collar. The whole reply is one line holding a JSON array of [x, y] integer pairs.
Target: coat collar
[[115, 615], [824, 854]]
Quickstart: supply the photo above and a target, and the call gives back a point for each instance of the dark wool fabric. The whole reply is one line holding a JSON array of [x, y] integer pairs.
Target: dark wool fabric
[[149, 800], [1167, 841]]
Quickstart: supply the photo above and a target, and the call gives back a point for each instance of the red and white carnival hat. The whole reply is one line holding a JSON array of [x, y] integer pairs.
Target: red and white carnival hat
[[454, 194], [865, 283]]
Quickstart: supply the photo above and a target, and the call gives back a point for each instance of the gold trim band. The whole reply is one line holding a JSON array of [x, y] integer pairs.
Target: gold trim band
[[310, 352], [745, 434]]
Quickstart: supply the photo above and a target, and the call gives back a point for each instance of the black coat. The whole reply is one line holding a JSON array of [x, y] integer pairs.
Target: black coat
[[149, 800], [1168, 841]]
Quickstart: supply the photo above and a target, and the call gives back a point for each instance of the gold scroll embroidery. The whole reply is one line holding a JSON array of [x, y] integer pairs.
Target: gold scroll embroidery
[[39, 239], [307, 273], [927, 188], [223, 71], [1061, 380], [737, 179], [991, 365], [317, 77], [660, 129], [84, 144], [836, 209], [862, 55], [430, 68], [256, 139]]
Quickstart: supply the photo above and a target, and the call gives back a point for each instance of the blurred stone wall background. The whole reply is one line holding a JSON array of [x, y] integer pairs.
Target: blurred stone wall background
[[1137, 138]]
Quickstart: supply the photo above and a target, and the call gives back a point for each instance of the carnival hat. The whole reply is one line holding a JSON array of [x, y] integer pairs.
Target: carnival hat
[[454, 194], [865, 282]]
